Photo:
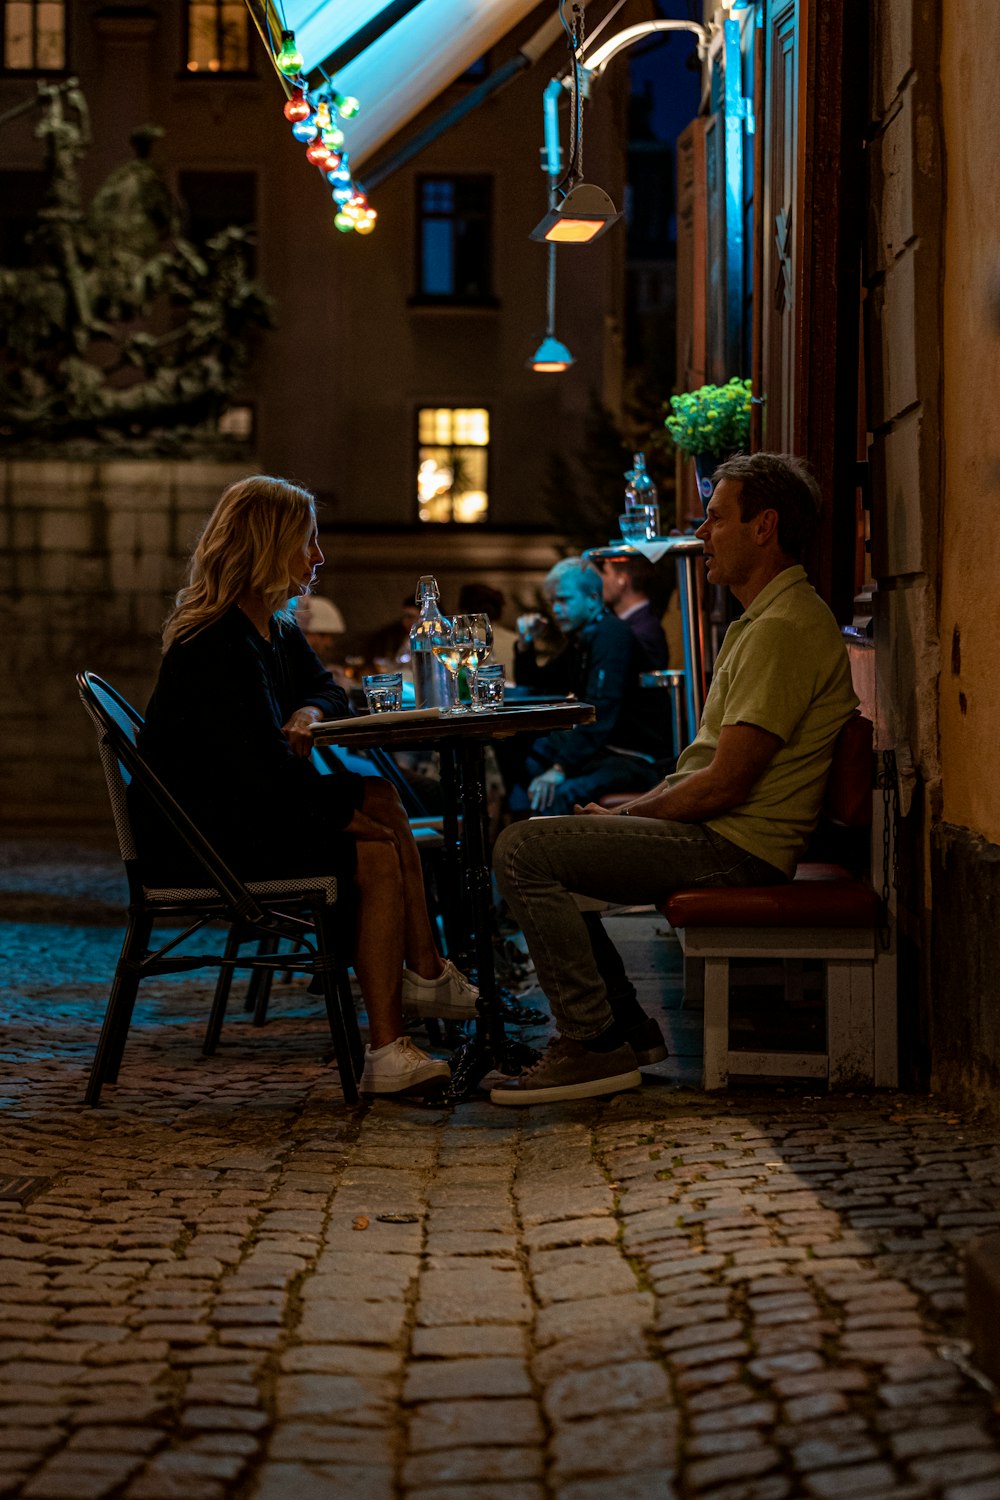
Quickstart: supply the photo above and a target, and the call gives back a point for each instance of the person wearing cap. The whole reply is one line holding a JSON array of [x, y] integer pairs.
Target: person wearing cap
[[321, 623]]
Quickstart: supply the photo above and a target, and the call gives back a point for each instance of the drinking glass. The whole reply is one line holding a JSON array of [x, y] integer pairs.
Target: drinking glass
[[487, 689], [632, 526], [453, 646], [383, 691], [481, 632]]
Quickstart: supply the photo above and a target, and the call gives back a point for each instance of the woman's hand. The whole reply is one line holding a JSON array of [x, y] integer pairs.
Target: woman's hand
[[296, 731]]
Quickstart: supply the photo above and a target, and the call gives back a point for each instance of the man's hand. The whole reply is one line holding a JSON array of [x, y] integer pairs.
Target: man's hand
[[595, 810], [296, 731], [542, 791]]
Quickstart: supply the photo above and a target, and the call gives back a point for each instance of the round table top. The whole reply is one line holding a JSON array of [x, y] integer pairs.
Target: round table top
[[673, 546], [392, 732]]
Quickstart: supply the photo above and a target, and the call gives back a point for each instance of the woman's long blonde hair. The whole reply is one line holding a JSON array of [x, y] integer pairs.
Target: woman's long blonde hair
[[249, 543]]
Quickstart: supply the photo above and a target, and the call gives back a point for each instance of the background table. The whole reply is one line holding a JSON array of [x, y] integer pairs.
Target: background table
[[462, 739]]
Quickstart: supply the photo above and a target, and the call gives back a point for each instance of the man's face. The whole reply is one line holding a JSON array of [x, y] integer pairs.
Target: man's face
[[730, 552], [572, 605], [614, 582]]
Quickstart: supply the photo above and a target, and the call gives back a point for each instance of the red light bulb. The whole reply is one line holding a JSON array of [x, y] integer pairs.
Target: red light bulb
[[318, 155], [297, 107]]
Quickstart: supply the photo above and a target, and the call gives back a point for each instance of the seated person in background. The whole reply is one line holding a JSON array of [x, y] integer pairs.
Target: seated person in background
[[599, 664], [384, 645], [480, 599], [628, 583], [227, 731], [322, 624], [738, 811]]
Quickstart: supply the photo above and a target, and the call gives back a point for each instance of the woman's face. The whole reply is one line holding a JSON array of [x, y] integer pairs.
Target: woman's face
[[305, 562]]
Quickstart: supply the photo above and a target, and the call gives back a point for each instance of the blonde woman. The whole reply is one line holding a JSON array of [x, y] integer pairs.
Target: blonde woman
[[227, 730]]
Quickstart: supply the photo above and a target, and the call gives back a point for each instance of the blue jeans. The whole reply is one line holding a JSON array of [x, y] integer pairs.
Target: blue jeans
[[540, 864]]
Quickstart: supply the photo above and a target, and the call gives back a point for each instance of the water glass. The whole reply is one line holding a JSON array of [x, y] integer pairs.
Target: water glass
[[383, 691], [632, 526], [645, 516], [488, 686]]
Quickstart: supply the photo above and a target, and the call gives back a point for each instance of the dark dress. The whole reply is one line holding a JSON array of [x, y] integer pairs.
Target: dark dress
[[213, 736]]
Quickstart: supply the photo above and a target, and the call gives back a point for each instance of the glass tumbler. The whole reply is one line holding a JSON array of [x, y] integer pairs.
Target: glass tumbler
[[488, 686], [383, 691]]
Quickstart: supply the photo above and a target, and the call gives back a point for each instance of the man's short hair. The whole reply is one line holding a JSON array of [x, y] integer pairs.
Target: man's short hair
[[781, 482], [639, 570], [480, 598], [589, 578]]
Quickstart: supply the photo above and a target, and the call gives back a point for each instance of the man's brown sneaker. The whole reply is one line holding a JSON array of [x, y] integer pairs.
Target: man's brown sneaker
[[566, 1070]]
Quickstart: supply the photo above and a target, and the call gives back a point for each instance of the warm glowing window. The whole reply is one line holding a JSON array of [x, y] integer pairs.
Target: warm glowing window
[[218, 36], [34, 36], [453, 463]]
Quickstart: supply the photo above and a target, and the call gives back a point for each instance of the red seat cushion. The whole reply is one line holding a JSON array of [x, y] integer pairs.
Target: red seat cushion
[[819, 896]]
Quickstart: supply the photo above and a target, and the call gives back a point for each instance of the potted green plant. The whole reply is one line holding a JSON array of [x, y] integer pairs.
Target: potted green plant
[[709, 424]]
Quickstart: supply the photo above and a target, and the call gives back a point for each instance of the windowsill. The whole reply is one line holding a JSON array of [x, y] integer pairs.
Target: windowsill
[[220, 77], [421, 303]]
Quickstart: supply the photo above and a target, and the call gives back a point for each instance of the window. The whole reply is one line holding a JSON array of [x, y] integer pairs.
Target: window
[[34, 35], [452, 463], [453, 238], [218, 36]]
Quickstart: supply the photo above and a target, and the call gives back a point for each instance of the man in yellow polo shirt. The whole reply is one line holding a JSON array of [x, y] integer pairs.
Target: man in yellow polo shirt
[[738, 810]]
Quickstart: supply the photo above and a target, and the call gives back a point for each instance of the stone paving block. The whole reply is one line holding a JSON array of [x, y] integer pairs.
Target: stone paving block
[[481, 1490], [469, 1242], [604, 1276], [589, 1351], [352, 1322], [927, 1439], [595, 1230], [458, 1379], [622, 1443], [842, 1484], [490, 1293], [651, 1485], [473, 1465], [981, 1489], [81, 1476], [281, 1481], [955, 1468], [619, 1387], [593, 1316], [486, 1341], [706, 1473], [325, 1441], [340, 1359], [476, 1423]]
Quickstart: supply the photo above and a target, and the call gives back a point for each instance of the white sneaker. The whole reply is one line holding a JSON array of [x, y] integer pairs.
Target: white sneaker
[[450, 997], [400, 1068]]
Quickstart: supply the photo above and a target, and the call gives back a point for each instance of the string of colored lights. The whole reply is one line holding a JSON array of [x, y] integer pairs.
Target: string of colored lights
[[314, 116]]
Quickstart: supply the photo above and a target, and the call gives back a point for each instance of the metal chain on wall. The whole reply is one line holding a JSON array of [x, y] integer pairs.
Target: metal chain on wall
[[888, 782]]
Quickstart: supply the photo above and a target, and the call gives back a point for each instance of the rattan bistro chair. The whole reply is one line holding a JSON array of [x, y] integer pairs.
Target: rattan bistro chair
[[302, 910]]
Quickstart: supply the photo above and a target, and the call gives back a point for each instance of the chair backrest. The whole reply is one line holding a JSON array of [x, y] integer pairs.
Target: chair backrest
[[118, 726], [848, 798]]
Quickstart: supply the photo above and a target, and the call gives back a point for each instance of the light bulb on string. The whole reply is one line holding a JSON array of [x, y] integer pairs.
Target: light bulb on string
[[305, 130], [318, 155], [332, 137], [332, 168], [364, 225], [346, 105], [297, 107], [344, 222], [289, 60], [324, 119]]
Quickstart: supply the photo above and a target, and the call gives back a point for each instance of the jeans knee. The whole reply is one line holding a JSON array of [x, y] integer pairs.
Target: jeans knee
[[506, 852]]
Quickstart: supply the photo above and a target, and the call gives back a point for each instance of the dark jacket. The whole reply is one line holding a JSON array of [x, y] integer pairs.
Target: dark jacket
[[645, 625], [599, 665], [213, 736]]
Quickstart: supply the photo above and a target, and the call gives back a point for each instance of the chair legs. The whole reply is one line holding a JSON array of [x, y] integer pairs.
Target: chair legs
[[339, 1006], [259, 988], [117, 1017], [214, 1028]]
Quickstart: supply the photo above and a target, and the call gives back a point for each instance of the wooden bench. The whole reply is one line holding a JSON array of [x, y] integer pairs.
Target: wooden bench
[[825, 913]]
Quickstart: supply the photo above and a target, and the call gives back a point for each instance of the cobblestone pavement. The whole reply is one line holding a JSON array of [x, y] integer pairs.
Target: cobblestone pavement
[[228, 1284]]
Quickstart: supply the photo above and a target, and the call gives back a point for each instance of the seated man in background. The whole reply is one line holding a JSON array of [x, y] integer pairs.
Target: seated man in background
[[481, 599], [322, 624], [743, 801], [599, 664], [628, 583]]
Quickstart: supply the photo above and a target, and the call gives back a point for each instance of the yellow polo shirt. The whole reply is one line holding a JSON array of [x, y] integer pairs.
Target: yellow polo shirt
[[783, 666]]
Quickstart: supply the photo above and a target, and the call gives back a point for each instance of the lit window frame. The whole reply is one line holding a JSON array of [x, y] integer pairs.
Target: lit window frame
[[190, 68], [34, 68], [485, 448]]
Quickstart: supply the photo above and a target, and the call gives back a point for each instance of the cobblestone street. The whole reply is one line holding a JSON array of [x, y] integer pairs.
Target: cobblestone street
[[223, 1282]]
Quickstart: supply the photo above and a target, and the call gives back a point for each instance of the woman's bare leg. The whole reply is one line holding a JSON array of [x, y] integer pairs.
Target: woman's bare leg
[[420, 950], [378, 952]]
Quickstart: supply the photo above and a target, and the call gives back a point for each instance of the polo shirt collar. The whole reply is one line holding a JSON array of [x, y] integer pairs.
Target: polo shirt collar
[[786, 579]]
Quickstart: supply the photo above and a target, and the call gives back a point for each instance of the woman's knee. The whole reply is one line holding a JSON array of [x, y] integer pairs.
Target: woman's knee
[[382, 801], [378, 865]]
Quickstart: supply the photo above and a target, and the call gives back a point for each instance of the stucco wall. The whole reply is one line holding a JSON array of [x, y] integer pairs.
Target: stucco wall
[[970, 573]]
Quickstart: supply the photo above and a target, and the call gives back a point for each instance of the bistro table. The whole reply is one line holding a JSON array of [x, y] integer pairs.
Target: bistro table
[[462, 739]]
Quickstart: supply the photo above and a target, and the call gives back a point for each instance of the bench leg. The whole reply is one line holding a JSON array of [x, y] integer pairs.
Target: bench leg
[[715, 1074], [850, 1022], [886, 1019], [694, 982]]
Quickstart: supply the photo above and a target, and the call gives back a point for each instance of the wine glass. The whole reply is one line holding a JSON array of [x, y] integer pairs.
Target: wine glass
[[481, 633], [452, 646]]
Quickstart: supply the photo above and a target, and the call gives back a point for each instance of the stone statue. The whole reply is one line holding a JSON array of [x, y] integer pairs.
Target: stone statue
[[119, 327]]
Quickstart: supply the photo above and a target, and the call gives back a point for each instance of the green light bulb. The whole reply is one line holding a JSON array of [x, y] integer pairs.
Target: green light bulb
[[344, 223], [333, 138], [289, 60]]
